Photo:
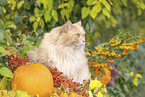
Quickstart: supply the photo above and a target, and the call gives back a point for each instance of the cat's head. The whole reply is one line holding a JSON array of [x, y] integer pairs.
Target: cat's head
[[72, 34]]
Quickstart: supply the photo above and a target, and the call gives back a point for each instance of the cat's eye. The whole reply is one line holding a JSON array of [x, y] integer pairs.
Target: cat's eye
[[78, 35]]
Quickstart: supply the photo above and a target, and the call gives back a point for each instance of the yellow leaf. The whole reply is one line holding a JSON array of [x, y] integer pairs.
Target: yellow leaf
[[95, 84], [138, 75], [90, 2], [94, 2], [95, 10], [124, 2], [100, 94], [35, 25], [93, 13], [135, 81], [19, 5], [4, 10], [32, 18], [107, 6], [41, 23], [98, 7], [131, 74]]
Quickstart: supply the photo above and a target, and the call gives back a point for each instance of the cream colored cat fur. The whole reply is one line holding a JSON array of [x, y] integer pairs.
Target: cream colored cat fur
[[63, 48]]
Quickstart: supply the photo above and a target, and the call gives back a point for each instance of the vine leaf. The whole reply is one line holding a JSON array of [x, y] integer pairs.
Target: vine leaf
[[106, 12], [85, 12], [4, 71], [2, 50], [47, 16], [35, 25], [54, 15], [95, 10], [107, 5]]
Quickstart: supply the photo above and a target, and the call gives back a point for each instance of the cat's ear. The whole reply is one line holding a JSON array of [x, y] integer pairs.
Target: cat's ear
[[68, 25], [79, 23]]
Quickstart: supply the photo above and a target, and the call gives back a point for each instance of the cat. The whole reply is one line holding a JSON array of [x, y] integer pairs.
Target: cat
[[63, 48]]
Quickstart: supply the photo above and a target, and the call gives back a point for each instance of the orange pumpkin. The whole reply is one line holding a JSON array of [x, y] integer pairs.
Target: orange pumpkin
[[62, 94], [34, 79]]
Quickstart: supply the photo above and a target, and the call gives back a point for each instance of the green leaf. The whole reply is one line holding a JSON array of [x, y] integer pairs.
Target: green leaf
[[102, 70], [3, 83], [95, 10], [4, 10], [2, 2], [9, 40], [50, 4], [125, 2], [106, 12], [62, 12], [6, 72], [47, 16], [125, 88], [107, 5], [90, 2], [2, 50], [19, 5], [54, 15], [20, 93], [32, 18], [18, 18], [139, 12], [70, 5], [98, 7], [1, 35], [35, 25], [13, 26], [67, 14], [93, 13], [24, 39], [41, 23], [36, 11], [85, 12]]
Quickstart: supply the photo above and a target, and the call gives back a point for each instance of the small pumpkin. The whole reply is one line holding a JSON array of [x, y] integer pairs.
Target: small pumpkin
[[62, 94], [34, 79]]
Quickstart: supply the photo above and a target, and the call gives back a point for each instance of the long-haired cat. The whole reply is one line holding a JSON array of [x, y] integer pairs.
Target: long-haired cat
[[63, 48]]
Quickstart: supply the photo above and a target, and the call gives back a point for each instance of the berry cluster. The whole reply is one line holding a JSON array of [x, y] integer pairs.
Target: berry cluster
[[14, 60], [68, 84], [104, 73]]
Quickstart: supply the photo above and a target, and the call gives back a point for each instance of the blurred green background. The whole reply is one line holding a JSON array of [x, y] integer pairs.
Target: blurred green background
[[23, 23]]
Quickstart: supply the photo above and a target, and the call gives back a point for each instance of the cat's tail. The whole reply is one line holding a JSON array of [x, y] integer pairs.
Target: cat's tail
[[33, 54]]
